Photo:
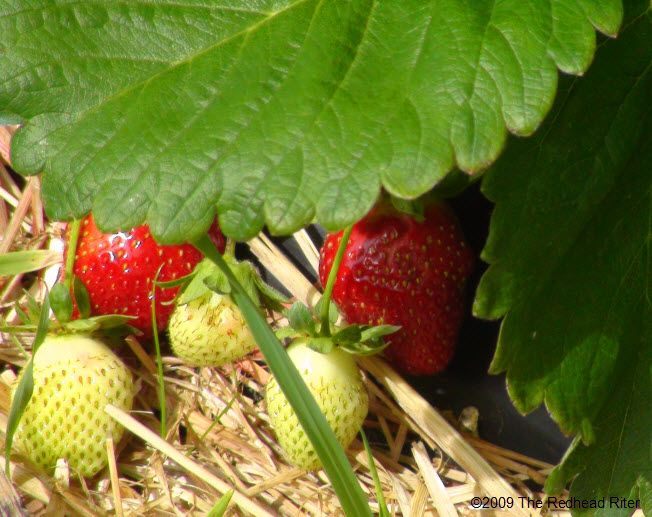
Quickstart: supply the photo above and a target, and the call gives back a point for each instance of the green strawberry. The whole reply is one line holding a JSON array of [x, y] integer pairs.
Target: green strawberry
[[334, 380], [207, 327], [75, 377], [209, 331]]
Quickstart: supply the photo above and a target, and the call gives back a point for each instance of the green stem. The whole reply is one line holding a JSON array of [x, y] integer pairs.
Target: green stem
[[229, 249], [337, 467], [330, 283], [380, 497], [72, 251], [159, 361]]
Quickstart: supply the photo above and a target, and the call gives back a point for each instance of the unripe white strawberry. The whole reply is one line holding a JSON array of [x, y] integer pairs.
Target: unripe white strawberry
[[335, 381], [209, 331], [75, 377]]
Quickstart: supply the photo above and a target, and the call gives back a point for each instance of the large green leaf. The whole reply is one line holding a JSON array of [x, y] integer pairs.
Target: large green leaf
[[279, 111], [570, 248]]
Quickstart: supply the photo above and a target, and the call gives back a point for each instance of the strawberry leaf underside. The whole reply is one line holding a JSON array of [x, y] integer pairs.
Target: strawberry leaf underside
[[573, 277], [276, 112]]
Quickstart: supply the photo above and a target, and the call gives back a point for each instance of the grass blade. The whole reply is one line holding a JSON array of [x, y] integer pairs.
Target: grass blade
[[220, 507], [17, 262], [333, 458], [159, 361], [380, 497], [26, 384]]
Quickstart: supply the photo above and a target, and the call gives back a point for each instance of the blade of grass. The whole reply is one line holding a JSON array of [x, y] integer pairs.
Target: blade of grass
[[333, 458], [18, 262], [380, 497], [220, 507], [159, 360], [26, 384]]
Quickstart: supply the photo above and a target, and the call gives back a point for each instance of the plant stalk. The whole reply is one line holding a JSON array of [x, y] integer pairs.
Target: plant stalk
[[75, 226], [229, 248], [330, 283], [159, 361]]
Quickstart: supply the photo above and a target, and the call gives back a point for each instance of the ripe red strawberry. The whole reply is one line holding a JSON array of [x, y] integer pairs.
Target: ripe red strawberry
[[118, 269], [399, 271]]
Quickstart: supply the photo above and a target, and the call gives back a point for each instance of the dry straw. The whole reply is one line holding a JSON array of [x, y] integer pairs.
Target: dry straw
[[219, 437]]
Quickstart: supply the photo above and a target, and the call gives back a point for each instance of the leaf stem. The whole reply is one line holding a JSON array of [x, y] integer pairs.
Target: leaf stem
[[229, 248], [73, 238], [330, 283], [313, 421], [159, 360]]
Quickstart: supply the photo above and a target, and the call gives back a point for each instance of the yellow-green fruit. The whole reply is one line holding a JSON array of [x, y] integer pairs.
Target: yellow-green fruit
[[75, 377], [335, 381], [209, 331]]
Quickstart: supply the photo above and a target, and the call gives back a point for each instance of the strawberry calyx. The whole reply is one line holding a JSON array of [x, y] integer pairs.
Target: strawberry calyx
[[61, 302], [325, 334], [207, 277], [304, 327]]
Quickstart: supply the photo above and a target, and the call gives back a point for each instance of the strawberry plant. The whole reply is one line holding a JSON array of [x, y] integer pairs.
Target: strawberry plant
[[280, 113]]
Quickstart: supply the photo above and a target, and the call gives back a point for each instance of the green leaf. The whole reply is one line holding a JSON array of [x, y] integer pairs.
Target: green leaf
[[34, 308], [82, 297], [197, 287], [378, 331], [162, 402], [95, 323], [300, 318], [380, 497], [619, 463], [323, 345], [218, 283], [410, 207], [220, 507], [18, 262], [570, 249], [177, 282], [645, 493], [25, 388], [333, 458], [245, 273], [369, 339], [333, 311], [347, 335], [276, 112], [270, 297], [23, 317], [365, 348], [283, 333], [21, 398], [453, 184], [61, 302]]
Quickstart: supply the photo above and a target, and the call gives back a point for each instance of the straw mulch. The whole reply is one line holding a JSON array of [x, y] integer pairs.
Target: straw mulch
[[218, 434]]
